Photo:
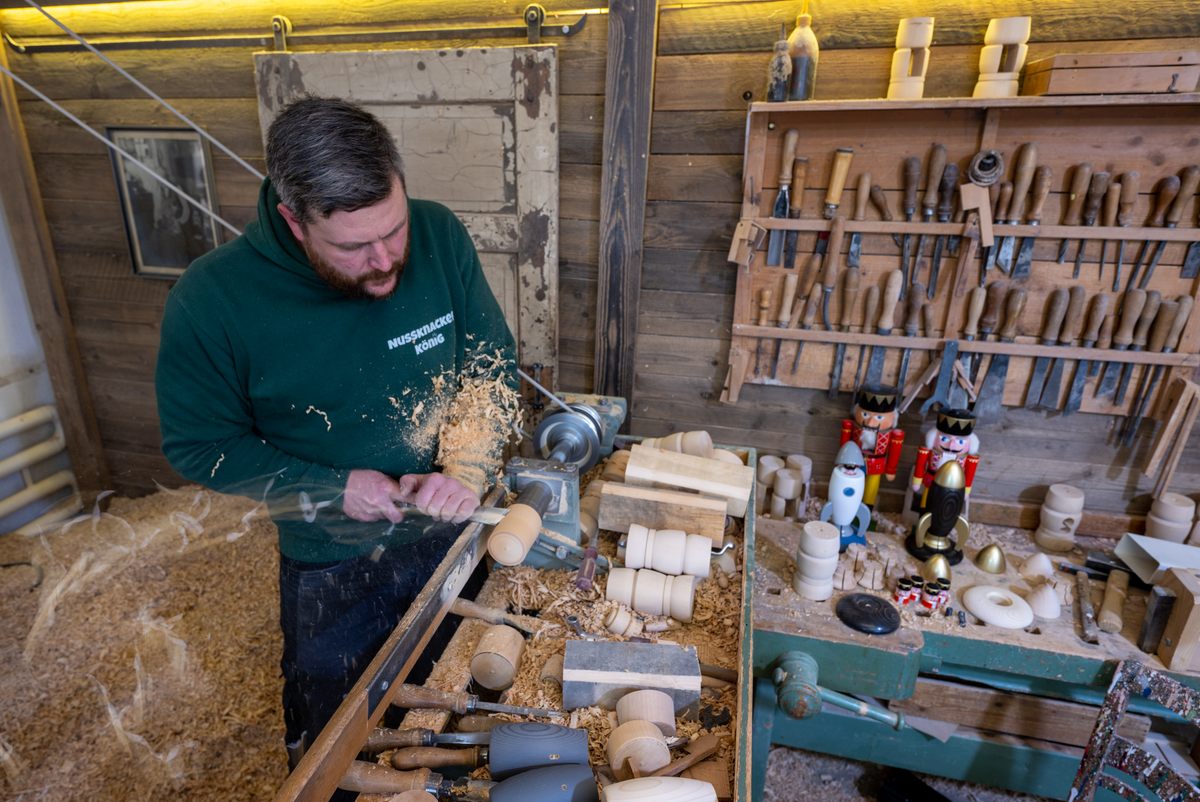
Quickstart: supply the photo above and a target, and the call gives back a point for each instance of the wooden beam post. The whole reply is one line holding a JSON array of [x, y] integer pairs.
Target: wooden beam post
[[22, 202], [628, 100]]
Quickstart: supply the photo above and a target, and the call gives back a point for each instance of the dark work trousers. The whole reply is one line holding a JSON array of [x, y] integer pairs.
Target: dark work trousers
[[336, 616]]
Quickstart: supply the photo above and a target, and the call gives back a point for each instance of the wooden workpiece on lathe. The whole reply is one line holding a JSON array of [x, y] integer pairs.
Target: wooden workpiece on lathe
[[698, 443], [1112, 609], [514, 536]]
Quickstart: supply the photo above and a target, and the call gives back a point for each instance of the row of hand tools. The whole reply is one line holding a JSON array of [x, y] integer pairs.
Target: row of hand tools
[[1145, 320]]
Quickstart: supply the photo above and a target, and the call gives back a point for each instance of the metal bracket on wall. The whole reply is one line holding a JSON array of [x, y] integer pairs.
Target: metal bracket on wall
[[533, 28]]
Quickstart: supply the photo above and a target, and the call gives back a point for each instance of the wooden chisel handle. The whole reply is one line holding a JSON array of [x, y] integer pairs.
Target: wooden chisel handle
[[837, 179], [946, 192], [1104, 341], [1003, 200], [881, 204], [764, 306], [850, 283], [928, 324], [812, 269], [975, 303], [799, 178], [1131, 310], [1056, 310], [1097, 314], [786, 299], [1163, 322], [889, 301], [1081, 179], [1112, 203], [833, 257], [371, 778], [1073, 319], [991, 308], [937, 164], [382, 738], [1183, 312], [421, 698], [1189, 178], [912, 184], [790, 140], [1042, 178], [1168, 189], [861, 196], [1014, 307], [1095, 195], [1149, 313], [1129, 192], [912, 313], [1022, 178], [431, 757], [870, 307], [805, 311]]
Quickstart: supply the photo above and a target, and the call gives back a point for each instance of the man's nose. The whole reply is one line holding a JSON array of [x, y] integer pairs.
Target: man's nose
[[378, 258]]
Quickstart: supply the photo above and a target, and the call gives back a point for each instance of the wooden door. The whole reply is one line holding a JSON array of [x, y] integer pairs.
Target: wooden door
[[478, 131]]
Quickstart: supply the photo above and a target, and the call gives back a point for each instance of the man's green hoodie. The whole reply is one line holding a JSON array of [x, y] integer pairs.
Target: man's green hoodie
[[270, 378]]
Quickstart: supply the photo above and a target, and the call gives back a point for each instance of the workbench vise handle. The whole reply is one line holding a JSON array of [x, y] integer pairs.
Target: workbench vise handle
[[799, 695]]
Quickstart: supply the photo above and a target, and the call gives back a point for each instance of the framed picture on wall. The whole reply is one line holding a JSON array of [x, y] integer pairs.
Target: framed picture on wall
[[165, 233]]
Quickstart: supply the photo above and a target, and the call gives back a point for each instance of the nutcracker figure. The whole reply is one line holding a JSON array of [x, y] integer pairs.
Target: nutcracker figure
[[873, 429], [952, 439], [845, 509]]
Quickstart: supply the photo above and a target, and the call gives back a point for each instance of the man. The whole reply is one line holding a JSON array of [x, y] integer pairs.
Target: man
[[312, 361]]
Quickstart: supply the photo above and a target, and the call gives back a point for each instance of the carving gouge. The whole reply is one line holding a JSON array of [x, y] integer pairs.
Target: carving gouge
[[829, 272], [987, 323], [1108, 219], [933, 175], [1132, 305], [1164, 323], [1188, 180], [1097, 315], [1091, 210], [1081, 179], [1022, 178], [879, 200], [783, 316], [870, 311], [1056, 310], [1041, 188], [364, 777], [1170, 342], [850, 283], [1072, 324], [945, 208], [991, 394], [1003, 199], [1167, 191], [795, 207], [912, 327], [837, 180], [1104, 342], [764, 319], [1140, 336], [421, 698], [886, 323], [803, 315], [384, 738], [1129, 193], [957, 395], [912, 180], [780, 209], [854, 254]]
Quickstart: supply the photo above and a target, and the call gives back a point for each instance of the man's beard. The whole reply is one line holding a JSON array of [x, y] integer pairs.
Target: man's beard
[[357, 287]]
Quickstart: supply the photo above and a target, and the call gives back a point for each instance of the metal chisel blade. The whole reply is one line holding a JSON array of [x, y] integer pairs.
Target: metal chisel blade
[[775, 242], [1108, 382], [1191, 262], [1005, 257], [991, 394], [1024, 258], [875, 366], [854, 254], [1036, 381], [835, 377], [1049, 395], [1075, 394]]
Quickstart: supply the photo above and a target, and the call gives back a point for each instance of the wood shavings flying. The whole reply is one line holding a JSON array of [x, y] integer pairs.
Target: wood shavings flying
[[311, 408]]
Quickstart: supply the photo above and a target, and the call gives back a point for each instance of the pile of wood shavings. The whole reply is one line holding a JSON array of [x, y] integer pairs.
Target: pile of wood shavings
[[145, 665]]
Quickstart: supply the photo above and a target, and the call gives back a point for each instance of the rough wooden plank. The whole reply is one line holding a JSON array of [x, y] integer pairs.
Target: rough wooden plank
[[579, 191], [699, 271], [694, 226], [581, 124], [657, 508], [1012, 713], [694, 177], [734, 483], [685, 314], [632, 35], [33, 248], [89, 177], [698, 132]]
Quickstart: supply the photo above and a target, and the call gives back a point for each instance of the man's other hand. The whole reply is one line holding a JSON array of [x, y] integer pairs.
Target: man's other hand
[[438, 495], [371, 496]]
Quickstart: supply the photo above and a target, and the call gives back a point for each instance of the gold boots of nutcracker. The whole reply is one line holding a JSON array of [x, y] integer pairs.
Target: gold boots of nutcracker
[[952, 439], [873, 429], [943, 518]]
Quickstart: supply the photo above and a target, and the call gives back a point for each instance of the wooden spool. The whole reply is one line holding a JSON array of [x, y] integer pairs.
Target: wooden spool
[[802, 464], [1163, 529], [650, 592], [619, 587], [815, 590], [514, 536], [1066, 499], [778, 507], [497, 657], [820, 539], [637, 746], [816, 569], [787, 483], [767, 466], [648, 705]]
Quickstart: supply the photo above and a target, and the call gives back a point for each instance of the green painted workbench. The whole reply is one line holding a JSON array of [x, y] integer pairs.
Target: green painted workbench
[[1048, 661]]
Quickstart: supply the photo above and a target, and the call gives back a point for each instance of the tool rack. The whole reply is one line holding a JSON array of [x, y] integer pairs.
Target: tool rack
[[1153, 134], [338, 744]]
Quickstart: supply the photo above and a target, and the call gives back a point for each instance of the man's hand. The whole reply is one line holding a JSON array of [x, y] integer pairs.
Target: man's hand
[[371, 496], [438, 495]]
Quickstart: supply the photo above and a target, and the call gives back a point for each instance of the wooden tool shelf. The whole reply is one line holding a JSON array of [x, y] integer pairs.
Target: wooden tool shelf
[[1151, 134]]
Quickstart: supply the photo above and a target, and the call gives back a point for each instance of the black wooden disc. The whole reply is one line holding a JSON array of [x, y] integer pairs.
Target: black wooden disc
[[868, 613]]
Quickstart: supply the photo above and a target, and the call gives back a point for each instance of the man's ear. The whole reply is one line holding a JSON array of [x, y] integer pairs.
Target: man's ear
[[293, 222]]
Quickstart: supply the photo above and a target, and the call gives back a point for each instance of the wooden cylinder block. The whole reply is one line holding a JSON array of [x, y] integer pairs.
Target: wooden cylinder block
[[816, 569], [552, 669], [648, 705], [820, 539], [650, 595], [1112, 609], [1008, 31], [810, 589], [681, 594], [914, 32], [787, 483], [1066, 499], [761, 492], [513, 537], [907, 89], [1162, 529], [637, 746], [1008, 87], [1174, 507], [767, 465], [1002, 59], [1054, 540], [619, 587], [803, 464], [778, 507], [497, 657]]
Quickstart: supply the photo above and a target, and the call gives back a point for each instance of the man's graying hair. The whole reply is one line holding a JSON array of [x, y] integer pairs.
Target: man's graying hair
[[327, 155]]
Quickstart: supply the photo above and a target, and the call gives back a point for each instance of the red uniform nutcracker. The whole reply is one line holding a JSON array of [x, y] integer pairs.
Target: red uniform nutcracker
[[873, 429], [953, 438]]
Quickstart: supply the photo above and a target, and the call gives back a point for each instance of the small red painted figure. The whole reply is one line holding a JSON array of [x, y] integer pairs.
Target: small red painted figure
[[952, 438], [873, 429]]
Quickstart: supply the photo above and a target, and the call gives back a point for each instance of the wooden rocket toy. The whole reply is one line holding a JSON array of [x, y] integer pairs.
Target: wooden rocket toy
[[845, 508], [944, 505]]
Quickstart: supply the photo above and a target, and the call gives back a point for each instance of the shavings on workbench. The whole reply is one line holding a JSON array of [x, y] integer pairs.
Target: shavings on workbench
[[146, 665]]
